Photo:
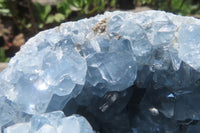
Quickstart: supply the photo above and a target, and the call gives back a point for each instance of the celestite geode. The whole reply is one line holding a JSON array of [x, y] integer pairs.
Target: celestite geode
[[124, 72]]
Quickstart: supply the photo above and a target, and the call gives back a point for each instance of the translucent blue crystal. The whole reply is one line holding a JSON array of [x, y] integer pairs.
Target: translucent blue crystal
[[54, 122], [123, 71]]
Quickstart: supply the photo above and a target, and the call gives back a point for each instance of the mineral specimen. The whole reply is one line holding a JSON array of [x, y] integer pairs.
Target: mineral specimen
[[53, 122], [124, 72]]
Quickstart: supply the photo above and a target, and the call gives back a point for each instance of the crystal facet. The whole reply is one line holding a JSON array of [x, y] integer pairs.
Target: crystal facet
[[124, 72], [54, 122]]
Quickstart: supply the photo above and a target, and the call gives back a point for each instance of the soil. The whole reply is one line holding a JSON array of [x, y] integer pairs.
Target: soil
[[10, 38]]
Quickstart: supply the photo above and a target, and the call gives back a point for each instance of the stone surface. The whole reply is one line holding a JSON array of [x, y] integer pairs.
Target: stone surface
[[123, 71]]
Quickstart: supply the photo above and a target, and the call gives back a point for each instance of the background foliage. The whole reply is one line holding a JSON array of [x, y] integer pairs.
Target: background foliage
[[183, 7], [2, 55]]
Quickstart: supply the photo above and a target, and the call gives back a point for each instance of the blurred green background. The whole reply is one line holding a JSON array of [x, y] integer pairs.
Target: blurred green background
[[22, 19]]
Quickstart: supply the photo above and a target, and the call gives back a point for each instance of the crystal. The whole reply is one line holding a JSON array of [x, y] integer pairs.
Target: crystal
[[122, 71], [54, 122]]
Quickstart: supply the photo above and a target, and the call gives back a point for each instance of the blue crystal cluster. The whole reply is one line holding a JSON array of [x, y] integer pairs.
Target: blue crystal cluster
[[120, 72], [54, 122]]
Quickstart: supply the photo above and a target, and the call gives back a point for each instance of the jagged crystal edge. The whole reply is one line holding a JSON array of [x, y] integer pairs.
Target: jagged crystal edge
[[54, 122], [107, 53]]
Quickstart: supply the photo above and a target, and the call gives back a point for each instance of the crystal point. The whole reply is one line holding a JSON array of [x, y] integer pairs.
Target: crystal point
[[123, 71]]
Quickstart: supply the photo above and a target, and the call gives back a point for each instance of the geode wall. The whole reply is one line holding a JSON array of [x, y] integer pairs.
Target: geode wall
[[124, 72]]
